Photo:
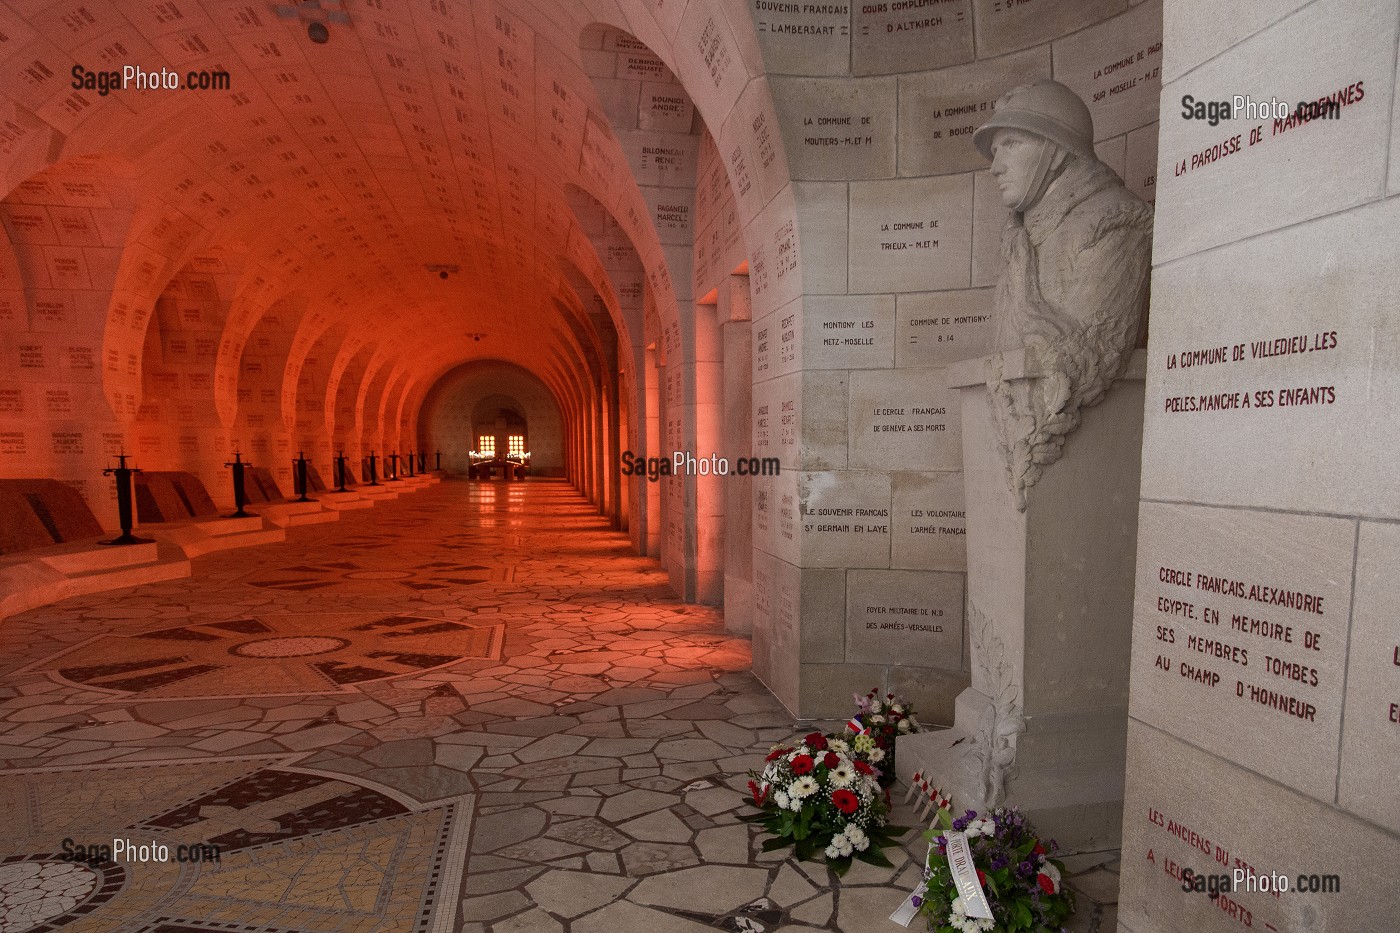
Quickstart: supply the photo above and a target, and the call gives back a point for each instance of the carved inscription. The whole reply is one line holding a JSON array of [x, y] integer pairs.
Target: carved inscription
[[1240, 636], [1264, 388], [905, 617], [1324, 111]]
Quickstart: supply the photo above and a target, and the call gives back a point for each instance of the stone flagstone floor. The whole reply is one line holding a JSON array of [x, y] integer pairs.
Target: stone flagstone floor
[[470, 709]]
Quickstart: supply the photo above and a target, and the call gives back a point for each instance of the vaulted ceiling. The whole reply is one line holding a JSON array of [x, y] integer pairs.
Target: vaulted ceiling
[[399, 193]]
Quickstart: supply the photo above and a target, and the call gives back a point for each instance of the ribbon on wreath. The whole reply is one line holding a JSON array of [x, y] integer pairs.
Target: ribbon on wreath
[[959, 855], [905, 913]]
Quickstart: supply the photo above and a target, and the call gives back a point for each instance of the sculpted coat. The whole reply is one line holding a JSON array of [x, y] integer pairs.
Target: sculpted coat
[[1076, 266]]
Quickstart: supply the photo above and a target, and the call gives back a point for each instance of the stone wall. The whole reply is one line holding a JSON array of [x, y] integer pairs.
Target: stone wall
[[1266, 652], [860, 555]]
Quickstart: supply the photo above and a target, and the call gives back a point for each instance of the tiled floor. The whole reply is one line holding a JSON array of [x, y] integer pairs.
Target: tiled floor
[[469, 709]]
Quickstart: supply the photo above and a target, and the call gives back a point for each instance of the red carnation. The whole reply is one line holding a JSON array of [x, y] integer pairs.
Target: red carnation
[[803, 764], [845, 801], [864, 768], [1039, 849], [981, 877], [758, 797], [777, 753], [1046, 884], [831, 759], [816, 741]]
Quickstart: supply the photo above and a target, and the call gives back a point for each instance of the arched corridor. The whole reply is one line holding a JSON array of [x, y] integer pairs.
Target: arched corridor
[[446, 444], [469, 705]]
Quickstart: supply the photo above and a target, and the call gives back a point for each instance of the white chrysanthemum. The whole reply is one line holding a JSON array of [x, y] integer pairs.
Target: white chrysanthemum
[[877, 719], [979, 827], [958, 907], [803, 787], [903, 725], [859, 840], [876, 755], [832, 851], [896, 708], [781, 799], [799, 750], [844, 845]]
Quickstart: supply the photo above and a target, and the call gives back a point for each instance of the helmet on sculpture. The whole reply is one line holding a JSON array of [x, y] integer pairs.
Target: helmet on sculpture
[[1046, 108]]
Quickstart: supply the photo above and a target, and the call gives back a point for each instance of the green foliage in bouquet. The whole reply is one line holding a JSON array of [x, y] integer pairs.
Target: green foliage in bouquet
[[821, 797], [1020, 878]]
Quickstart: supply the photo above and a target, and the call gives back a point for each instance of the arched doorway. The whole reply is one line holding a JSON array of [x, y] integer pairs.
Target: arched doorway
[[492, 409]]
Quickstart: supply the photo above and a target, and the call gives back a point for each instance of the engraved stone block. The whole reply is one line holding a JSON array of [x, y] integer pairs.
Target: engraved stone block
[[1003, 26], [1333, 49], [855, 332], [802, 38], [928, 522], [939, 110], [899, 420], [1290, 377], [905, 617], [1116, 68], [911, 234], [837, 128], [910, 35], [845, 519], [937, 328], [1239, 636]]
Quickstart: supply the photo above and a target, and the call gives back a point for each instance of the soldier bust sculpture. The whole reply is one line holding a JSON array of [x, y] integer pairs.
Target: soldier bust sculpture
[[1076, 263]]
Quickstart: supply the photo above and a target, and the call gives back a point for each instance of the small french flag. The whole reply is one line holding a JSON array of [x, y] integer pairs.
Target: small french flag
[[853, 725]]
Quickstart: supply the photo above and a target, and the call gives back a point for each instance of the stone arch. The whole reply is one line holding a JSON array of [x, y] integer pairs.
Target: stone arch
[[454, 400]]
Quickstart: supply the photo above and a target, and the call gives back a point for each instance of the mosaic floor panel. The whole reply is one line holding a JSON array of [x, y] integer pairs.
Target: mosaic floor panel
[[469, 709]]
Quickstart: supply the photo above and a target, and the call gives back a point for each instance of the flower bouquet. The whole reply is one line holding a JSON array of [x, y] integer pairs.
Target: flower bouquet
[[1014, 869], [820, 797], [882, 720]]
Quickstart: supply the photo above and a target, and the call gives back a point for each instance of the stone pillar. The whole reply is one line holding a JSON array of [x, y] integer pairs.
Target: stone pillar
[[735, 315], [1050, 607], [710, 522]]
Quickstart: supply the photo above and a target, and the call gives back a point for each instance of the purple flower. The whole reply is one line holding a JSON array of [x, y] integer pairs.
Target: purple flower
[[1025, 869], [917, 901]]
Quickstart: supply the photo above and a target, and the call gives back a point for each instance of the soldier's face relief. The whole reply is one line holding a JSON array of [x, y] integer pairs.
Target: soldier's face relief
[[1015, 157]]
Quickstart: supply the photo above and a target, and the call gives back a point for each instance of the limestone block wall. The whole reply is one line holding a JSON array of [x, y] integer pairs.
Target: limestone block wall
[[64, 231], [1266, 647], [178, 425], [860, 560]]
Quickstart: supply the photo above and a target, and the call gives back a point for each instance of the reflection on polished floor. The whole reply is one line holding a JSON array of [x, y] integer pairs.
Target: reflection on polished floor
[[469, 709]]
